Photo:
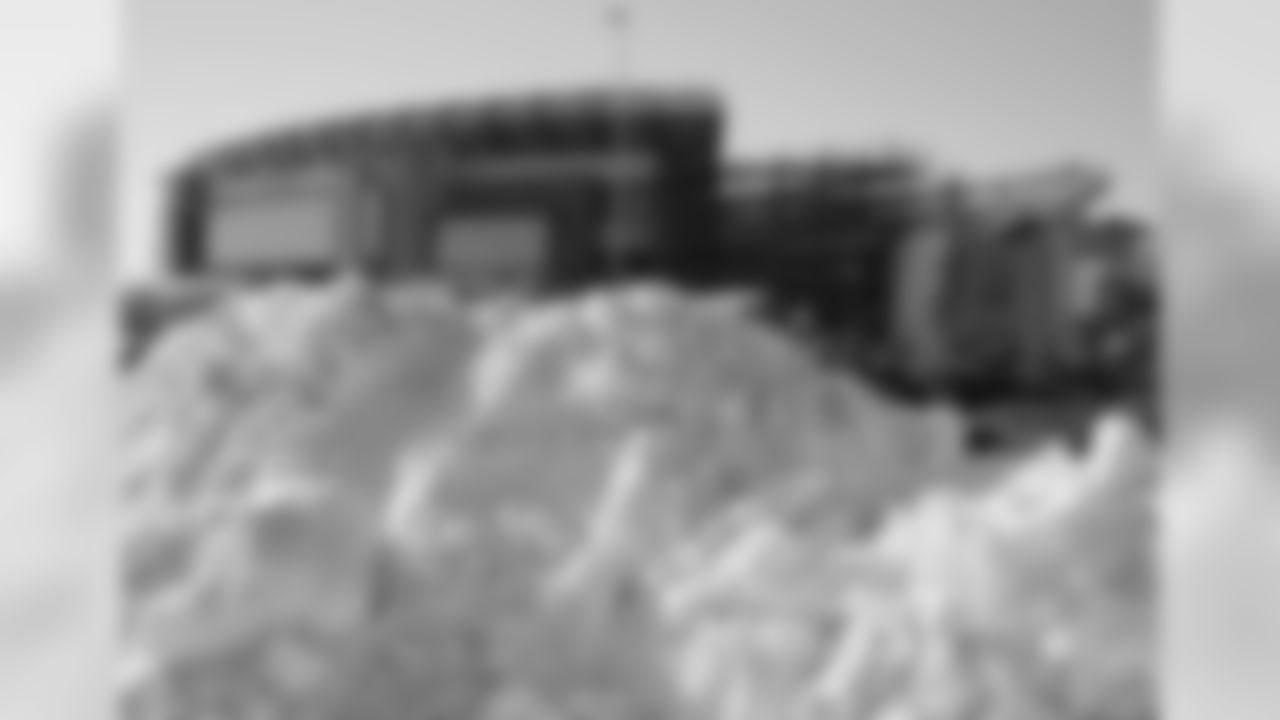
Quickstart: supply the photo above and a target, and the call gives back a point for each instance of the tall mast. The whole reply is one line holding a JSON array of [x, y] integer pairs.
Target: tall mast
[[619, 17]]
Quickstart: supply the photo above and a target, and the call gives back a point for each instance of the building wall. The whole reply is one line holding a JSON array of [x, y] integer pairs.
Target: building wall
[[824, 236], [404, 177], [919, 301], [307, 216]]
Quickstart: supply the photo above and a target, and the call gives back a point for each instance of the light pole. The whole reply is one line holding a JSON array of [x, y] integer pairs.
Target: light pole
[[619, 241], [619, 17]]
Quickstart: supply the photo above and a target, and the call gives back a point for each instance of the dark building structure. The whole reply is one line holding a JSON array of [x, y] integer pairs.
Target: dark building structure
[[930, 285], [551, 191], [824, 240]]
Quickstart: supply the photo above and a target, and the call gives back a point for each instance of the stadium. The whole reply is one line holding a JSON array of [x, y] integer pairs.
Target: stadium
[[930, 283]]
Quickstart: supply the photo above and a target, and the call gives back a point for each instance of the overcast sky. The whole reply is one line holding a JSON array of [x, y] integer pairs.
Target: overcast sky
[[980, 85]]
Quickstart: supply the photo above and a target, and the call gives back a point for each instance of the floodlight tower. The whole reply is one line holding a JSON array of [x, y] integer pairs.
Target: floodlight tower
[[620, 222], [619, 15]]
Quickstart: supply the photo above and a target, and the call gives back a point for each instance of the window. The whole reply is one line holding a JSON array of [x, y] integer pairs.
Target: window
[[494, 252], [282, 225]]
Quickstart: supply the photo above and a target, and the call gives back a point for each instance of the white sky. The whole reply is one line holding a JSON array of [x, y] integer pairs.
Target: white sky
[[981, 84]]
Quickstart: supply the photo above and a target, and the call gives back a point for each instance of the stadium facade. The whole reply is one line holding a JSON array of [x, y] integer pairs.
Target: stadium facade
[[546, 192], [921, 280]]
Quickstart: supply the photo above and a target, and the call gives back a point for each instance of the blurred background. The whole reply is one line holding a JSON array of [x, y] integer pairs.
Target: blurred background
[[56, 352]]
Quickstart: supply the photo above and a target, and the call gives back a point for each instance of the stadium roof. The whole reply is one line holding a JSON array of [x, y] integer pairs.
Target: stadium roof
[[390, 125]]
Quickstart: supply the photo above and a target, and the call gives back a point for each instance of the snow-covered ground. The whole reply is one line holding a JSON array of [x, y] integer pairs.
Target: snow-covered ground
[[637, 500]]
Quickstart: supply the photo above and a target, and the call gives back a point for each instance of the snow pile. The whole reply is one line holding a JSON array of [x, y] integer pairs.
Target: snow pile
[[1023, 601], [347, 500]]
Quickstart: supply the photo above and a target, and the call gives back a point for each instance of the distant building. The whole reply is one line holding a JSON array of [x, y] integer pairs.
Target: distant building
[[930, 285], [823, 237], [512, 192]]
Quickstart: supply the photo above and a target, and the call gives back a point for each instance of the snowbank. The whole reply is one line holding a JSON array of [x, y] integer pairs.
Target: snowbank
[[637, 499]]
